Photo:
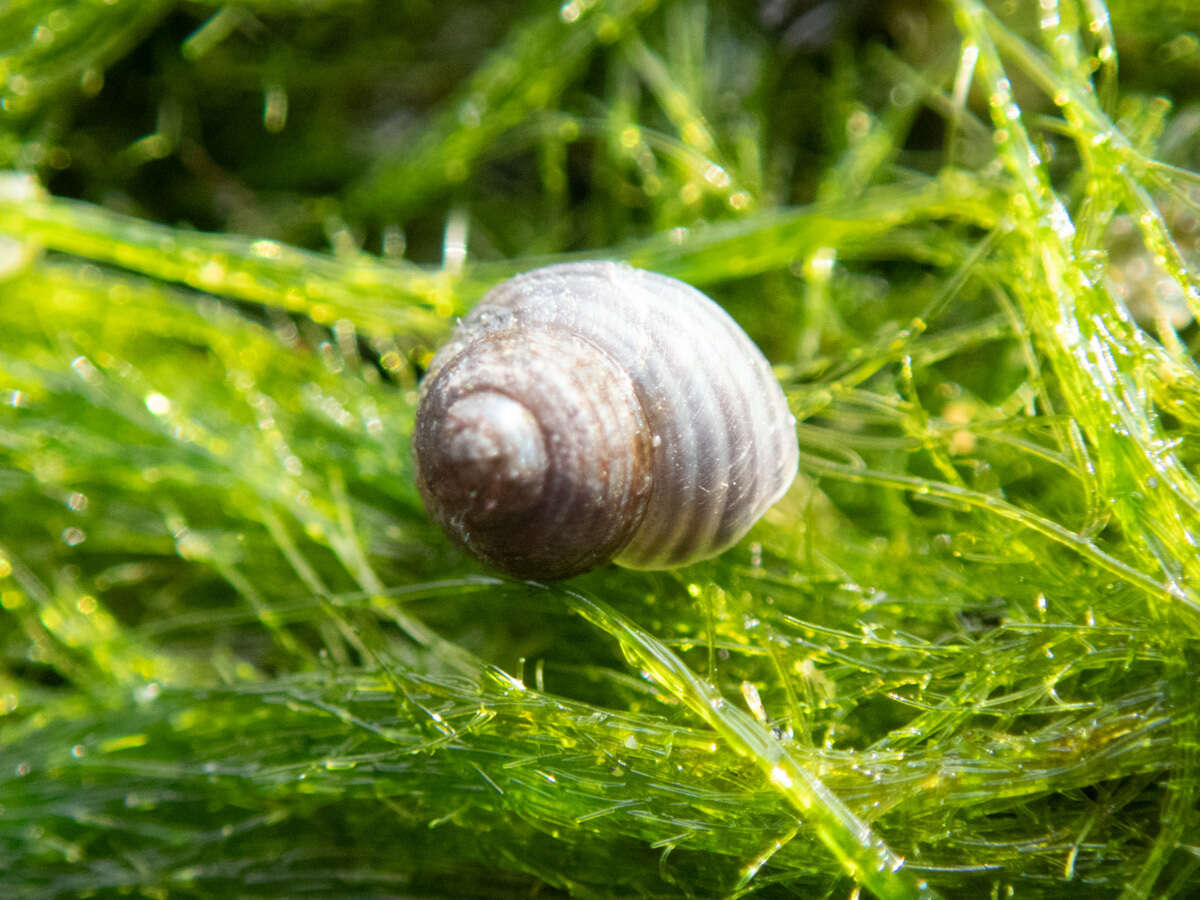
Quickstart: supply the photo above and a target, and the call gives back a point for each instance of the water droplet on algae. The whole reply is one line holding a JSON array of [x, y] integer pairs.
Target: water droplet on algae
[[158, 404]]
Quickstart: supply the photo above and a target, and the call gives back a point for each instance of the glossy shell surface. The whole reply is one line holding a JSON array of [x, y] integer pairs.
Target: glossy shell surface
[[592, 411]]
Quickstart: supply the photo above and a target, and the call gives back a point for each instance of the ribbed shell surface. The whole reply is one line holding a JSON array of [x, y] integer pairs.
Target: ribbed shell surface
[[545, 506], [723, 442]]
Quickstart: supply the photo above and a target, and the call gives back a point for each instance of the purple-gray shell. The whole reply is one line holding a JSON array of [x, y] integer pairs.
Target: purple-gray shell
[[588, 412]]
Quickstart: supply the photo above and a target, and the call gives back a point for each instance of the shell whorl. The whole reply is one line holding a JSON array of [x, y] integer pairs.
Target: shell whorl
[[591, 411]]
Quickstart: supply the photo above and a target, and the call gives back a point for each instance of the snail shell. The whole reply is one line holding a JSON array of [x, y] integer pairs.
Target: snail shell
[[588, 412]]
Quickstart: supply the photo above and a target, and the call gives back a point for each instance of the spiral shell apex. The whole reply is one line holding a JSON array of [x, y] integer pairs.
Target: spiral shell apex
[[588, 412]]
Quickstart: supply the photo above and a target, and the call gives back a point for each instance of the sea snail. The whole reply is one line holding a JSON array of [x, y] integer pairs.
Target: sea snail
[[588, 412]]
